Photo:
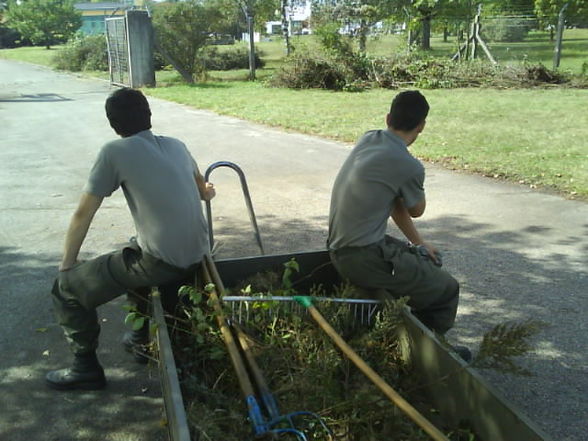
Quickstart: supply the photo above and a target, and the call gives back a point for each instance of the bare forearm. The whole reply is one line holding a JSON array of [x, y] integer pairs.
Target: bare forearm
[[76, 233], [404, 222], [78, 228]]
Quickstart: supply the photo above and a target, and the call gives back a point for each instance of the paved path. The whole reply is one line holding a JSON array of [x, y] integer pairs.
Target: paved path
[[519, 254]]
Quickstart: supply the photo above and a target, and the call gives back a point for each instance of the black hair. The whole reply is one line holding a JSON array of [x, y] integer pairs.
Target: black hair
[[408, 110], [128, 111]]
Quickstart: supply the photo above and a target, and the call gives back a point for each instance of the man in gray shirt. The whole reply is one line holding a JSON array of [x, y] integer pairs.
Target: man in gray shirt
[[381, 179], [163, 189]]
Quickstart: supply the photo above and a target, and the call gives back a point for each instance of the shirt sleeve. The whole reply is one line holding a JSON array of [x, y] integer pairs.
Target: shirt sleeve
[[103, 179], [412, 190], [193, 161]]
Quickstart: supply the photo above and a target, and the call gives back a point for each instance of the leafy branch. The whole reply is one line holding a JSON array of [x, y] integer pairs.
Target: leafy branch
[[505, 341]]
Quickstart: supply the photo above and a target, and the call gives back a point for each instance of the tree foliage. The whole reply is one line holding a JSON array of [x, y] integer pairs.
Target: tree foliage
[[356, 16], [548, 10], [233, 12], [182, 30], [44, 22]]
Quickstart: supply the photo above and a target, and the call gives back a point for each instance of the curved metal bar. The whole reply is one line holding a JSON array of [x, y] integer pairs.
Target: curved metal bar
[[246, 194], [290, 417], [300, 435]]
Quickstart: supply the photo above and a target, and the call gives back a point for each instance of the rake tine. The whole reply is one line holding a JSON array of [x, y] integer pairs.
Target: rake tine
[[300, 435], [291, 415]]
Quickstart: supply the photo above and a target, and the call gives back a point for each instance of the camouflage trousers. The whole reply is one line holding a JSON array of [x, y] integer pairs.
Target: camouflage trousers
[[390, 269], [78, 291]]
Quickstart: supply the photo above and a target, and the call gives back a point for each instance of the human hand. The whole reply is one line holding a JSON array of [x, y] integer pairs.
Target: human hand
[[209, 191], [431, 252]]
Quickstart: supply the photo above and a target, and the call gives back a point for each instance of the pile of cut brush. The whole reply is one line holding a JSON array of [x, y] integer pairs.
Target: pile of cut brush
[[303, 368]]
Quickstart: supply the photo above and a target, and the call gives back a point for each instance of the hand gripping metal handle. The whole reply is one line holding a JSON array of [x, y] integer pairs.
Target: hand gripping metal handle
[[246, 195]]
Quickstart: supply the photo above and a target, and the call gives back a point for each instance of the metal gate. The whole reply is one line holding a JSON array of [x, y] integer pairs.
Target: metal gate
[[130, 49], [118, 51]]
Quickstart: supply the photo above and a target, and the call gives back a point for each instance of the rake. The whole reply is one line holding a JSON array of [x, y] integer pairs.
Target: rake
[[241, 308], [250, 375]]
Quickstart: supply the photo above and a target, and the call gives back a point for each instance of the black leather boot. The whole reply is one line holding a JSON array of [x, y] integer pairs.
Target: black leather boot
[[464, 352], [137, 343], [86, 374]]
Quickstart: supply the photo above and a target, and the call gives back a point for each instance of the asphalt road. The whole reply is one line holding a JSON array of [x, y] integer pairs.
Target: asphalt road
[[520, 254]]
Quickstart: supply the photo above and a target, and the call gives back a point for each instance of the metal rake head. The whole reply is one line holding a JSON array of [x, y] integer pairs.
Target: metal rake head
[[361, 311]]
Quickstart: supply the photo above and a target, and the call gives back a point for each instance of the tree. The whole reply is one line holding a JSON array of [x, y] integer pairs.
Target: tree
[[358, 16], [247, 13], [181, 31], [44, 22]]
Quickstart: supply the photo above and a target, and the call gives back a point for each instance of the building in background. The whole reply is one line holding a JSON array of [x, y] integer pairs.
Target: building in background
[[298, 13], [94, 14]]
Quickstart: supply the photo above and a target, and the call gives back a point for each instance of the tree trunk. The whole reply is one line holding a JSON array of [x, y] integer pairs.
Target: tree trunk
[[251, 31], [285, 26], [187, 76], [445, 33], [426, 40], [363, 30]]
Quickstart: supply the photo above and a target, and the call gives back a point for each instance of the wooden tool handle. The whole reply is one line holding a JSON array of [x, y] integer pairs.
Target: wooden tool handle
[[400, 402]]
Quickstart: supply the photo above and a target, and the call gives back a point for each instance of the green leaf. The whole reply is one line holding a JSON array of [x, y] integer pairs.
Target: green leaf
[[153, 328], [138, 324], [185, 290], [196, 297], [209, 287], [130, 318]]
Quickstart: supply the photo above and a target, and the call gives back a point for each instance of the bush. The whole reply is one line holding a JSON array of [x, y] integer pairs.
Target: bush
[[182, 30], [303, 71], [234, 58], [505, 29], [311, 71], [9, 38], [83, 53]]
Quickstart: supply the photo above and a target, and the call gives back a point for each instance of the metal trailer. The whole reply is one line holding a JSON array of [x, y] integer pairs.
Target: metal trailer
[[456, 390]]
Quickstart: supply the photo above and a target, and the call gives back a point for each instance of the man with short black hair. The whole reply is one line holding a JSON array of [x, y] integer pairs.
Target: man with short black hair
[[163, 189], [381, 179]]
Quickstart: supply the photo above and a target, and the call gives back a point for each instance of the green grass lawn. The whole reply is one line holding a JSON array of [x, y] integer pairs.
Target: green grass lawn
[[521, 135], [534, 136], [34, 55]]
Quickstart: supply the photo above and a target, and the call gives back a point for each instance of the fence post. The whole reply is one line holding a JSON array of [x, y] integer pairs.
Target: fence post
[[559, 37]]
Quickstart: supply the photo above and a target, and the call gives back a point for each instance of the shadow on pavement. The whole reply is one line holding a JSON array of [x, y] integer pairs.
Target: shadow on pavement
[[491, 266]]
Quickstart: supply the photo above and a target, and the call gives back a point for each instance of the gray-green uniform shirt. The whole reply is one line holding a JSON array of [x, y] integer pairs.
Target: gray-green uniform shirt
[[378, 170], [157, 176]]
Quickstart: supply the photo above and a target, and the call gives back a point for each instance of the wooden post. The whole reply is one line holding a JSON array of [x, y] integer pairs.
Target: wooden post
[[480, 41], [559, 37], [474, 41]]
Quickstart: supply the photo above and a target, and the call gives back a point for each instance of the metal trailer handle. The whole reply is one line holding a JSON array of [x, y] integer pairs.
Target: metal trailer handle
[[246, 195]]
